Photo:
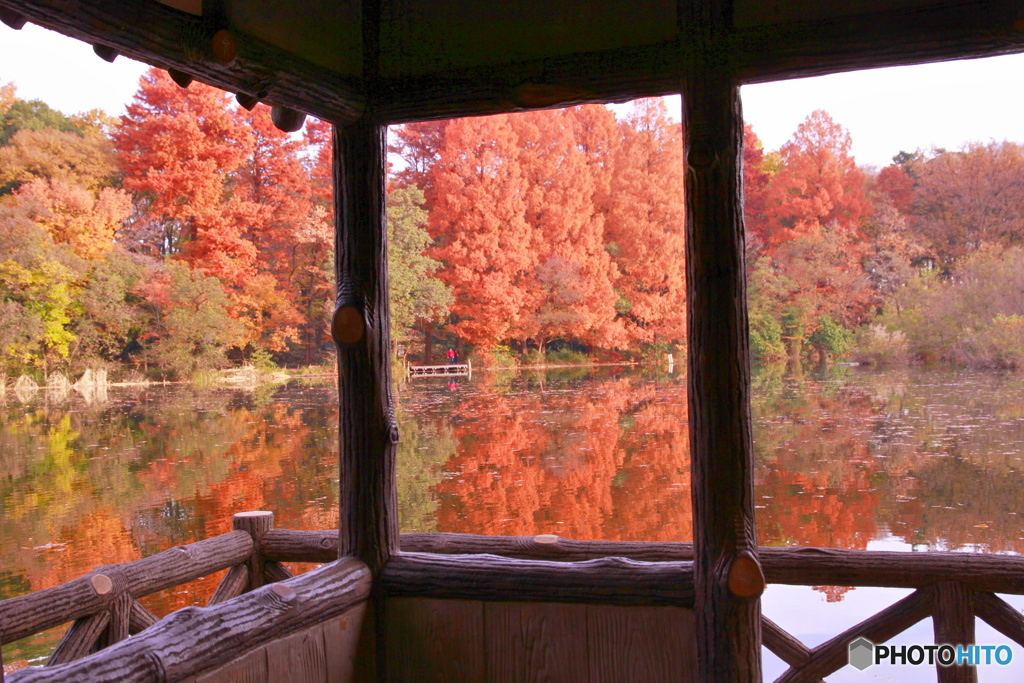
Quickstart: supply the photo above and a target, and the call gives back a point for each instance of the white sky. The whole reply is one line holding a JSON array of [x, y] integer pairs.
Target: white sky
[[885, 110]]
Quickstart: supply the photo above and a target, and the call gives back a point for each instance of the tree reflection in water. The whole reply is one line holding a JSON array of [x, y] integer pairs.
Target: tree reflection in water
[[847, 458]]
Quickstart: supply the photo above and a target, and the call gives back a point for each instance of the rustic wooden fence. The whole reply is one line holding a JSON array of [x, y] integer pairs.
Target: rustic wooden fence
[[951, 588], [104, 607]]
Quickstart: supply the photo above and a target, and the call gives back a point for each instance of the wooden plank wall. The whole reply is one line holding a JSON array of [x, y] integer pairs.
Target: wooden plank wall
[[430, 640], [325, 653]]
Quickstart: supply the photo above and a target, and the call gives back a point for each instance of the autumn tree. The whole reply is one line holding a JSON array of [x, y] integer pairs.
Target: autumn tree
[[193, 326], [968, 198], [818, 184], [477, 198], [177, 148], [645, 230], [415, 294], [808, 283]]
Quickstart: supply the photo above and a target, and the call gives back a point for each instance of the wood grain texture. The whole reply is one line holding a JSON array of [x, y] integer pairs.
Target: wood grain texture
[[275, 571], [832, 567], [27, 614], [120, 618], [833, 654], [536, 642], [365, 666], [341, 637], [758, 54], [79, 639], [140, 618], [298, 658], [609, 581], [195, 640], [234, 583], [785, 646], [158, 35], [292, 545], [255, 523], [251, 667], [953, 621], [718, 384], [1004, 618], [641, 644], [368, 432], [561, 549], [434, 641]]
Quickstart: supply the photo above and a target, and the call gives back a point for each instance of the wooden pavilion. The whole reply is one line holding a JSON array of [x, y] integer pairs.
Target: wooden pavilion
[[442, 607]]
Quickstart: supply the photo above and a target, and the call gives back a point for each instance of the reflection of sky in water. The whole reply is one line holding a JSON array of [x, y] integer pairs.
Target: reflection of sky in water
[[803, 612]]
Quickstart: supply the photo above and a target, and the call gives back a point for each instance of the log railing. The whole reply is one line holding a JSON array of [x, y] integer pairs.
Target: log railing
[[104, 607], [196, 640], [951, 588]]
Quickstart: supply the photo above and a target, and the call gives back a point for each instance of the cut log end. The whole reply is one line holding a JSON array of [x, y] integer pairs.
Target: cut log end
[[746, 579], [180, 77], [12, 19], [246, 102], [283, 591], [223, 46], [105, 52], [102, 584], [545, 539], [347, 326], [287, 120]]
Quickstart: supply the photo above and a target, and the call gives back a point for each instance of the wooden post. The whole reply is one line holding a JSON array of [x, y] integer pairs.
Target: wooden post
[[368, 431], [953, 619], [255, 524], [727, 574]]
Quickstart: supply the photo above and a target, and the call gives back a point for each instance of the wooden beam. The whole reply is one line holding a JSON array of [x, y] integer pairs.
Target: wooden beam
[[615, 75], [728, 580], [785, 646], [367, 427], [832, 567], [1004, 618], [909, 35], [794, 566], [913, 35], [609, 581], [159, 35], [197, 639]]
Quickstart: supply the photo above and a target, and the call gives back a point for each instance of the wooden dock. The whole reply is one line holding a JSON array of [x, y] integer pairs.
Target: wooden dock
[[449, 370]]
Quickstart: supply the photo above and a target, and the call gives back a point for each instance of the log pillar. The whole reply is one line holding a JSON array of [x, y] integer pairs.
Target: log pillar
[[368, 432], [255, 523], [728, 579], [953, 621]]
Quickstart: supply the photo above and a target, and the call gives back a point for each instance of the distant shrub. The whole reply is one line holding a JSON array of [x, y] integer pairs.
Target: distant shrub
[[831, 339], [766, 337], [877, 346], [1000, 344], [495, 357], [567, 357]]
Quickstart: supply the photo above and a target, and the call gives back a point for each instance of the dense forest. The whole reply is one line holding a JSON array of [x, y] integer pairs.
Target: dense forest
[[191, 233]]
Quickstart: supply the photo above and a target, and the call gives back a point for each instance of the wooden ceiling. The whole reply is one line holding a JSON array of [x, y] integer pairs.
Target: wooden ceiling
[[401, 60]]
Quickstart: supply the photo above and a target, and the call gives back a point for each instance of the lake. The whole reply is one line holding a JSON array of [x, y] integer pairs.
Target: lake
[[913, 459]]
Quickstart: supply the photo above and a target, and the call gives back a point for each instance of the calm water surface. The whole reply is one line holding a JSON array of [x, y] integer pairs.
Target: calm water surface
[[847, 458]]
